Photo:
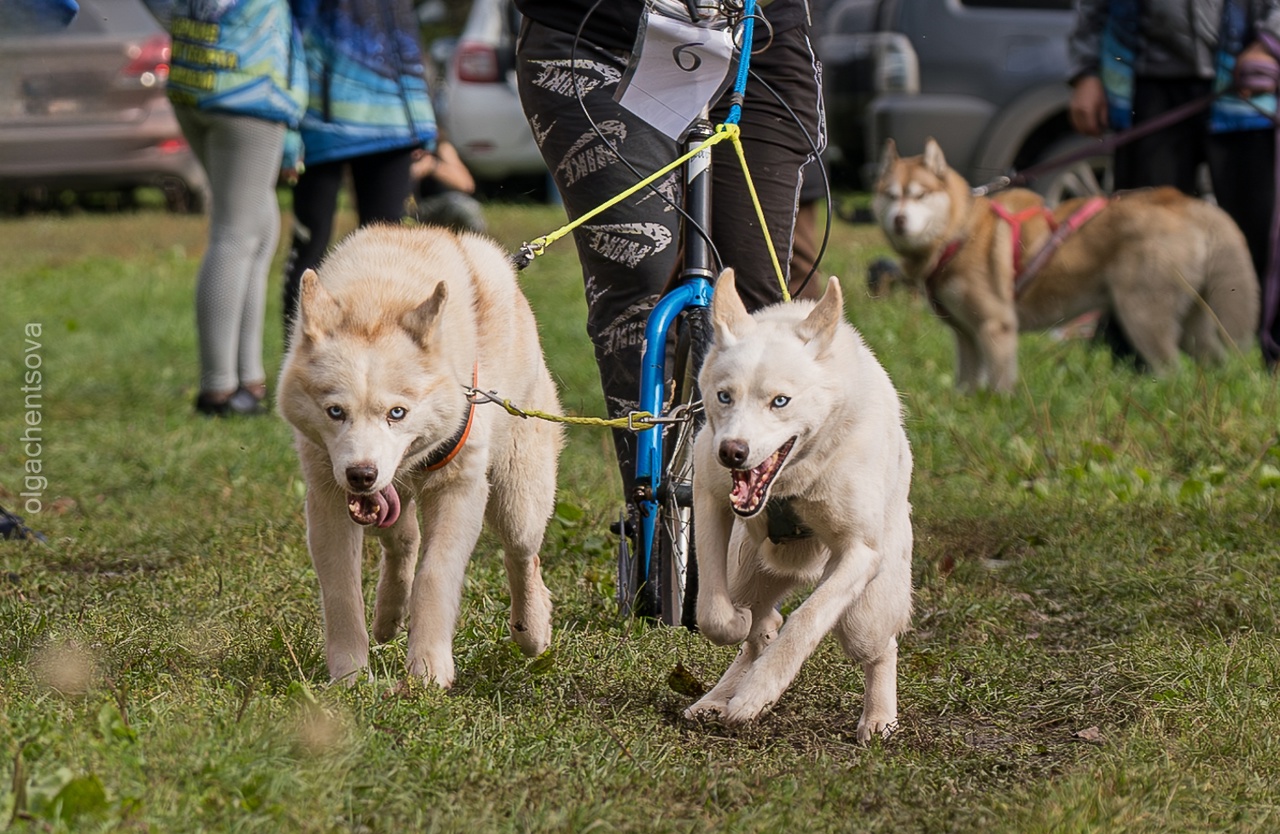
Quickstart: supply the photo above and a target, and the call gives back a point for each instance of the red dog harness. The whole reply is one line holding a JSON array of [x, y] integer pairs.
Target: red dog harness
[[1077, 218], [1022, 275], [1015, 222]]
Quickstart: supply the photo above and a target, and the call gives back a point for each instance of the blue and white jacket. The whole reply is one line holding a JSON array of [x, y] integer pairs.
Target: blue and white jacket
[[367, 82], [235, 56]]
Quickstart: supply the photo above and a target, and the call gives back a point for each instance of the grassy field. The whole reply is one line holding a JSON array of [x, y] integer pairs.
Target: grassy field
[[1095, 633]]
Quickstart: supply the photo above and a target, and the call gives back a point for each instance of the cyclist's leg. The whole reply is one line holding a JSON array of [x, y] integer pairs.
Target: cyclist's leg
[[776, 149], [629, 252]]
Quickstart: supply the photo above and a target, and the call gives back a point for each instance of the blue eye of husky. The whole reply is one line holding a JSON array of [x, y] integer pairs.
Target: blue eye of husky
[[723, 397], [396, 414], [336, 412], [780, 401]]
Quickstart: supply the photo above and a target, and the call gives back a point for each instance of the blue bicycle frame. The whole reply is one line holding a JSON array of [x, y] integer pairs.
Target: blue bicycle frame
[[693, 290]]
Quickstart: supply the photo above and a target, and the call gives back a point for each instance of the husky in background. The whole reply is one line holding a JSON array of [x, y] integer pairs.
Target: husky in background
[[1173, 270]]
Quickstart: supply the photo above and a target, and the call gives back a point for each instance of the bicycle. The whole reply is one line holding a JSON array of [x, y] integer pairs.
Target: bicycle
[[659, 580], [656, 560]]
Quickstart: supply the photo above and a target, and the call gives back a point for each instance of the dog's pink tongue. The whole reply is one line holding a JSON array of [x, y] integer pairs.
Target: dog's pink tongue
[[390, 501], [382, 508]]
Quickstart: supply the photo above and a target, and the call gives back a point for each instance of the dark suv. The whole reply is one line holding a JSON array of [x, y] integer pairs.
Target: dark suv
[[986, 78]]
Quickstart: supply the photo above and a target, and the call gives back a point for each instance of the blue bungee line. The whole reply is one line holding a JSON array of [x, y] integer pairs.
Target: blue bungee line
[[744, 62]]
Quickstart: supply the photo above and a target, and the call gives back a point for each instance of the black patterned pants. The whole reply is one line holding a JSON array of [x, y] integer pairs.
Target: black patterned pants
[[630, 252]]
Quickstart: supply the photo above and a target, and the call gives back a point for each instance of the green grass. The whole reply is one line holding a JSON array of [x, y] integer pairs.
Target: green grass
[[1097, 550]]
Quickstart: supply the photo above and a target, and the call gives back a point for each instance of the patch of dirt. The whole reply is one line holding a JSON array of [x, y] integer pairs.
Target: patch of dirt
[[992, 542]]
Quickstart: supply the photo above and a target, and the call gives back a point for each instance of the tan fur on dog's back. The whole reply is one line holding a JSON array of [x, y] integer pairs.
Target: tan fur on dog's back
[[1174, 270]]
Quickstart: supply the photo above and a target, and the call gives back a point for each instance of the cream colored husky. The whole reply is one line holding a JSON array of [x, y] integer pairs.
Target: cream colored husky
[[800, 412], [390, 333]]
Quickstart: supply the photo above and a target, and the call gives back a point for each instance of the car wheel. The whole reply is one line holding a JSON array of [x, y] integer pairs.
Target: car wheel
[[1082, 178]]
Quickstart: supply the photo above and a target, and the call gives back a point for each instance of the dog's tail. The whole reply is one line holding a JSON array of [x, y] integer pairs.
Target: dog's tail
[[1231, 285]]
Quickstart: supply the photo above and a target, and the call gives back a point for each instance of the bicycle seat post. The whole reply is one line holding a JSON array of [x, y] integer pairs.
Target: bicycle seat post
[[698, 255]]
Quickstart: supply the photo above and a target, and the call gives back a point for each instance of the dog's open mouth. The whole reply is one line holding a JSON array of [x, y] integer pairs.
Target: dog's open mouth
[[381, 508], [751, 486]]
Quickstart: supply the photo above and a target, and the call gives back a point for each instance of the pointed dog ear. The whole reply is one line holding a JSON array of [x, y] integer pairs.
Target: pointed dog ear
[[934, 162], [887, 158], [819, 327], [729, 315], [420, 321], [317, 308]]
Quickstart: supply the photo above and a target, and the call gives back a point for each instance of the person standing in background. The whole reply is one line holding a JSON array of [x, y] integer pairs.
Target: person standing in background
[[238, 84], [445, 191], [1131, 60], [369, 112]]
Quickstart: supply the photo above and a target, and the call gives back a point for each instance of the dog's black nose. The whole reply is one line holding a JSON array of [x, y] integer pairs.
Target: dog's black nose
[[733, 453], [362, 477], [899, 223]]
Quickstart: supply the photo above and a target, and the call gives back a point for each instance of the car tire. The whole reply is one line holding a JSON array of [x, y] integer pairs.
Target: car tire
[[1087, 177]]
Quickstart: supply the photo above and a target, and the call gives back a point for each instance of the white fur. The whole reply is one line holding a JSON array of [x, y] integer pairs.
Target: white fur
[[397, 319], [799, 370]]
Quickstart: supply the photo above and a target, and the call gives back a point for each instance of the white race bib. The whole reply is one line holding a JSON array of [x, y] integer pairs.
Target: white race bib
[[676, 68]]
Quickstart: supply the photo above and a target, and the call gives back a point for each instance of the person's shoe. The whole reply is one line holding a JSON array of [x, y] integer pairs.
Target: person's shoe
[[241, 403], [13, 528]]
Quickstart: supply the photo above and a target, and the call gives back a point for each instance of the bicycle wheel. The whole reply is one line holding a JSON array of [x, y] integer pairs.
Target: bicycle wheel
[[674, 567]]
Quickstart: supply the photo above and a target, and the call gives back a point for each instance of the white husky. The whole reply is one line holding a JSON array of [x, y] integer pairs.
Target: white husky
[[390, 333], [799, 412]]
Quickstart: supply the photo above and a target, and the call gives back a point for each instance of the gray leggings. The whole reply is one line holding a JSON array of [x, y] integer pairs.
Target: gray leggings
[[241, 156]]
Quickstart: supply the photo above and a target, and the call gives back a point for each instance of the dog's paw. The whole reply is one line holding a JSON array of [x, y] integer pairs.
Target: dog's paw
[[532, 637], [530, 623], [439, 672], [724, 625], [347, 668], [349, 677], [705, 709], [386, 629], [883, 727], [745, 708]]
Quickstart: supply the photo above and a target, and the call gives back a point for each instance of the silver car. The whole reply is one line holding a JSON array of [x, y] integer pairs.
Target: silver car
[[479, 104], [83, 111]]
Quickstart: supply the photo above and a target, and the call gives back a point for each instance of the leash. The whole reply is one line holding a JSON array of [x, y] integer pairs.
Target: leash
[[635, 421], [1105, 145], [1251, 76]]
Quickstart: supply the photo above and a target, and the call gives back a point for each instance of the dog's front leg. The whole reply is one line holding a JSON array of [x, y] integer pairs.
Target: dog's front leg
[[846, 578], [998, 344], [763, 632], [399, 563], [334, 541], [454, 516], [970, 375], [723, 622]]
